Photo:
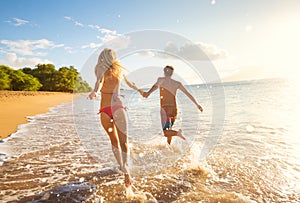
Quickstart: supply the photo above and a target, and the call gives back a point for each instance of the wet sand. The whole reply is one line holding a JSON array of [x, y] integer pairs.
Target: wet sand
[[17, 105]]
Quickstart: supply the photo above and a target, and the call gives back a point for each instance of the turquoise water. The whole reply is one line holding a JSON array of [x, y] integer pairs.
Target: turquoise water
[[251, 155]]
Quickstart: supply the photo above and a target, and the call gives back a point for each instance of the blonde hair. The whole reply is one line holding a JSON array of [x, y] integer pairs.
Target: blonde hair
[[108, 60]]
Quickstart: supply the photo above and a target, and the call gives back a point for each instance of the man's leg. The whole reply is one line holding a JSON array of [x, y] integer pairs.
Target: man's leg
[[168, 117], [169, 133]]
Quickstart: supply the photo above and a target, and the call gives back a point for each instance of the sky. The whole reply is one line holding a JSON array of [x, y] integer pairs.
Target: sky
[[243, 40]]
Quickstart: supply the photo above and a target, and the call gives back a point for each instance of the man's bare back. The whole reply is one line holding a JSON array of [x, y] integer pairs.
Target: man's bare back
[[168, 89]]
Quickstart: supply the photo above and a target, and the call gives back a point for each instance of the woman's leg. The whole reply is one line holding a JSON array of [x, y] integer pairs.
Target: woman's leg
[[121, 126], [110, 129]]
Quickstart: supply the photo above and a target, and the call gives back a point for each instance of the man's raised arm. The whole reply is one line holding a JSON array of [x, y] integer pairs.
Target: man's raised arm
[[184, 90]]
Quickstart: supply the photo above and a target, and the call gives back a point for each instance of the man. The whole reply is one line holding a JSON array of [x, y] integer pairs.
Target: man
[[168, 88]]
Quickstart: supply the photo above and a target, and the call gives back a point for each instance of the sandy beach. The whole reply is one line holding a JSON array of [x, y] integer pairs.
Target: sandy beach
[[17, 105]]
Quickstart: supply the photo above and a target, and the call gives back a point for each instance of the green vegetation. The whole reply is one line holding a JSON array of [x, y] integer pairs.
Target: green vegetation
[[44, 78]]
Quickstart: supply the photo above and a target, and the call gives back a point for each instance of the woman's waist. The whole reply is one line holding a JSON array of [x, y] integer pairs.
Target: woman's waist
[[109, 101], [165, 101], [109, 92], [111, 95], [169, 106]]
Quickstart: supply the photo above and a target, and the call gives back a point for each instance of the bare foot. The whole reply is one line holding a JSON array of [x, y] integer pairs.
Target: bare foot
[[179, 134], [128, 181], [169, 139]]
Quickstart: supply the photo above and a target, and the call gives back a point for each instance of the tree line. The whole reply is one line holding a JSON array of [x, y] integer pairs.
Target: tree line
[[44, 77]]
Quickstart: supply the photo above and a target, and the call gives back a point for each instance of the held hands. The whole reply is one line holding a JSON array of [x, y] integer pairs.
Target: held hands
[[144, 94], [141, 91]]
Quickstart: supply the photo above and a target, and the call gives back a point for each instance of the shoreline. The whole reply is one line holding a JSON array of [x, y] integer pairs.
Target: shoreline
[[16, 106]]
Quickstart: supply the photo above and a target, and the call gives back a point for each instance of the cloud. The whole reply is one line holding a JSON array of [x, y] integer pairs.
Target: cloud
[[117, 42], [13, 60], [74, 21], [17, 22], [92, 45], [14, 52], [68, 18], [102, 30], [106, 34], [108, 37], [29, 47], [70, 50], [213, 52], [78, 24], [192, 51]]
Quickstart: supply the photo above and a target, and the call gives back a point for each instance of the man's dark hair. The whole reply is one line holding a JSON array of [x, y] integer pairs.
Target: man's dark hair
[[169, 70]]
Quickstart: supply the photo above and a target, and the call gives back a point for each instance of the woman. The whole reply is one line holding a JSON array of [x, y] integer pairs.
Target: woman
[[109, 74]]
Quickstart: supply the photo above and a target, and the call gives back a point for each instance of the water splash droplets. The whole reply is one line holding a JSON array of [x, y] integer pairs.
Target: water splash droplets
[[250, 128]]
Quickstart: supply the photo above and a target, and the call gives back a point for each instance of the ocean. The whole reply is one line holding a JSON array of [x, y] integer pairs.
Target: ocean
[[243, 147]]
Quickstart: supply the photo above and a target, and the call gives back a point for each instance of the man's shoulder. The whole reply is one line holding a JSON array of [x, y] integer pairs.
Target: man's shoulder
[[160, 79], [176, 82]]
